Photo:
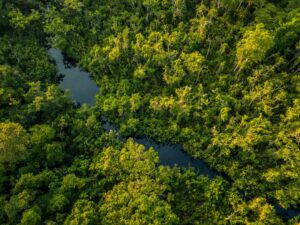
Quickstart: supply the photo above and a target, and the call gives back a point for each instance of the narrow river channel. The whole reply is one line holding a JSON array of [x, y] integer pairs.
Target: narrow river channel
[[83, 90]]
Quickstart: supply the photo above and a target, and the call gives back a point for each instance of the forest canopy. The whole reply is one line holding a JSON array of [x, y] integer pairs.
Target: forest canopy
[[219, 77]]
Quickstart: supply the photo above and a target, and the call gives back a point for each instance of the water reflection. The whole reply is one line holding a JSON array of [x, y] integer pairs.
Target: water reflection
[[169, 154], [82, 88]]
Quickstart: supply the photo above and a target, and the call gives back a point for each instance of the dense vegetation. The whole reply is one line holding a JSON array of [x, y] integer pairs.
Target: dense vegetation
[[220, 77]]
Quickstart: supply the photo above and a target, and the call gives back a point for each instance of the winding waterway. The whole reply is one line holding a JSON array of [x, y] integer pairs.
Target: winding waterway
[[83, 90]]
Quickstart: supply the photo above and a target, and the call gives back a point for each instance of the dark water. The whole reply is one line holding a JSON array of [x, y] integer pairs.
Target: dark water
[[169, 154], [78, 82], [83, 90]]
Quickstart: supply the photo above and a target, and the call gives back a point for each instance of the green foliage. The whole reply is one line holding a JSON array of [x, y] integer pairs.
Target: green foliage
[[221, 78], [13, 140], [253, 47], [58, 203], [132, 159], [31, 216], [74, 4], [18, 20], [136, 202], [84, 212]]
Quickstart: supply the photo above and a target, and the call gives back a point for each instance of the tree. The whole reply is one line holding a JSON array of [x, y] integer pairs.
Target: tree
[[18, 20], [178, 8], [58, 203], [10, 77], [31, 216], [84, 212], [137, 196], [18, 203], [193, 62], [131, 162], [137, 203], [13, 141], [175, 73], [254, 45], [74, 4], [263, 212]]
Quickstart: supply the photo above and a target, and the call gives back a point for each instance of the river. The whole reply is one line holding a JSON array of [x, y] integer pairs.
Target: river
[[83, 90]]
